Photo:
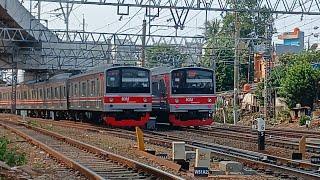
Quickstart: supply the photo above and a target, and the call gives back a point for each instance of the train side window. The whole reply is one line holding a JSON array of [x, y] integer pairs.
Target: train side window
[[25, 96], [75, 89], [56, 93], [60, 92], [83, 89], [98, 87], [51, 93], [64, 91], [40, 93], [155, 88], [88, 88], [71, 90], [79, 89], [162, 87], [48, 93], [93, 88], [0, 95]]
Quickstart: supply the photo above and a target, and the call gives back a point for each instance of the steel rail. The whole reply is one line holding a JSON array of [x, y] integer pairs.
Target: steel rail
[[256, 160], [91, 173], [251, 136]]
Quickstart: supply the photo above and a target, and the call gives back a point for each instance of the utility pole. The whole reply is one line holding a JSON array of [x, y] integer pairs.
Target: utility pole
[[67, 21], [268, 103], [83, 23], [143, 49], [236, 65], [39, 10], [14, 74]]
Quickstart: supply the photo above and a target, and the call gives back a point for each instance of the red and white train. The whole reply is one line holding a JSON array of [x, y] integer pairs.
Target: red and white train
[[183, 96], [120, 96]]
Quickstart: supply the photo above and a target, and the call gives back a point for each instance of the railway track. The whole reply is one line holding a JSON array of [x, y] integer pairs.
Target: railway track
[[92, 162], [264, 162], [270, 164], [286, 132], [248, 135]]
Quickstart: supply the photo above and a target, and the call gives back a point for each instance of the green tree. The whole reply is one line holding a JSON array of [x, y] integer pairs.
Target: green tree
[[164, 55], [299, 85], [220, 43]]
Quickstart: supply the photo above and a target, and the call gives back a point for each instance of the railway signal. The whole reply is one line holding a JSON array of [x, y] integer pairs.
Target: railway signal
[[261, 126]]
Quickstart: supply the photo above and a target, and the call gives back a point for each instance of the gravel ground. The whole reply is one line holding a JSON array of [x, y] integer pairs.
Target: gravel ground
[[120, 146], [126, 148], [39, 164]]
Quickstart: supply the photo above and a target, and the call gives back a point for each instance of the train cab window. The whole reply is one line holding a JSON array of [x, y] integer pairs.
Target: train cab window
[[128, 80], [192, 81], [84, 89], [113, 78]]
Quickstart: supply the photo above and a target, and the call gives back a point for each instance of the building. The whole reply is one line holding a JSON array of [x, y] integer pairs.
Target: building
[[259, 66], [293, 42]]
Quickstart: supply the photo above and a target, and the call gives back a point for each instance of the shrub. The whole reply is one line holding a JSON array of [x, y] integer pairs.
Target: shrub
[[10, 155], [303, 120]]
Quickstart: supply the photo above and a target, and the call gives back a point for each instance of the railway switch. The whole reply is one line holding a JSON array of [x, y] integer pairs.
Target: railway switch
[[178, 151], [202, 164], [302, 147], [230, 166], [179, 154]]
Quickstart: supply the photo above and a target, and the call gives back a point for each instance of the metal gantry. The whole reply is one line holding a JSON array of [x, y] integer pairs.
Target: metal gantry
[[59, 49], [309, 7]]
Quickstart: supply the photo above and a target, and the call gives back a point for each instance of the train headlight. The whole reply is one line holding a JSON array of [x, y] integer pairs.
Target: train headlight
[[145, 99], [176, 100], [110, 99], [209, 100]]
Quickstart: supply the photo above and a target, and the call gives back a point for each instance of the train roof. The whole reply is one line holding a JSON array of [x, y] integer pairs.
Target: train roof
[[56, 78], [164, 70], [101, 69]]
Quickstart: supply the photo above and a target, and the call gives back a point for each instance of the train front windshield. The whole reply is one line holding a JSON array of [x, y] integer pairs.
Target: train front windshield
[[128, 80], [192, 81]]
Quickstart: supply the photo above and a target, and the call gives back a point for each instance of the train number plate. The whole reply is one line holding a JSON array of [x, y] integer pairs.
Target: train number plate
[[315, 159], [201, 171]]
